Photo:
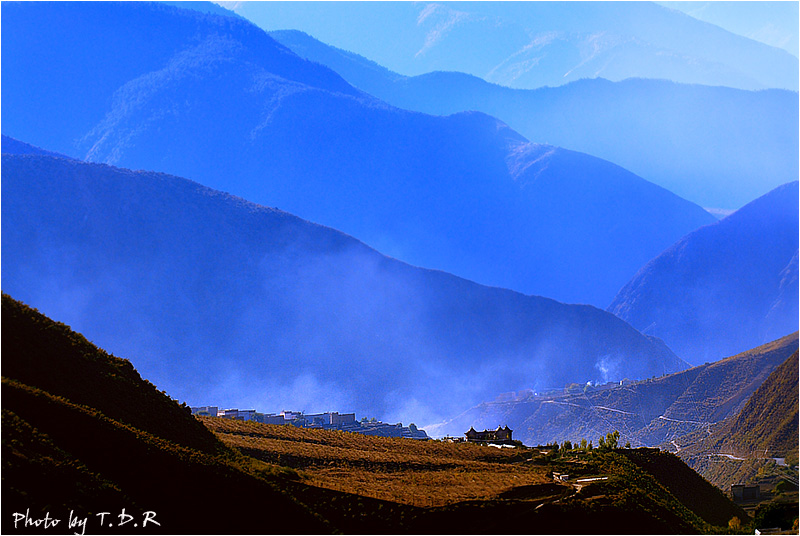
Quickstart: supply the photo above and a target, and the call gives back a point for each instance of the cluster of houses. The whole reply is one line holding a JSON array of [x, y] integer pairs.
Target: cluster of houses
[[328, 421], [347, 422]]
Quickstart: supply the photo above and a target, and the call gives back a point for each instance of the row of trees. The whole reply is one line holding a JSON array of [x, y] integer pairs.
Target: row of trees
[[605, 444]]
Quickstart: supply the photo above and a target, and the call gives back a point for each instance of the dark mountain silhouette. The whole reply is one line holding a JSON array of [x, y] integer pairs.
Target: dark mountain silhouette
[[765, 428], [533, 44], [226, 302], [118, 444], [647, 413], [725, 287], [219, 101], [717, 146], [66, 365]]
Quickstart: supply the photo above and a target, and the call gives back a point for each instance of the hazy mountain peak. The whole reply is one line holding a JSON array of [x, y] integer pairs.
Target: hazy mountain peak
[[714, 292]]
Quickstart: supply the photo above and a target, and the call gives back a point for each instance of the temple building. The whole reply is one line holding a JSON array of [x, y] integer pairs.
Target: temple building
[[500, 436]]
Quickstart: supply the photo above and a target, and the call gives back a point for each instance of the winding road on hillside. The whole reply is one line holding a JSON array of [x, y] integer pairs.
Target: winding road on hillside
[[729, 456], [590, 407], [678, 420]]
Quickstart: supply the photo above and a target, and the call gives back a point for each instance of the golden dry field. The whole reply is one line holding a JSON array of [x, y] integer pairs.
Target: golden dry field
[[407, 471]]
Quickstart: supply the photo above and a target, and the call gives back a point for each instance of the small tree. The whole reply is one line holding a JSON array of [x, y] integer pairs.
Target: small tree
[[610, 442], [735, 524], [612, 439]]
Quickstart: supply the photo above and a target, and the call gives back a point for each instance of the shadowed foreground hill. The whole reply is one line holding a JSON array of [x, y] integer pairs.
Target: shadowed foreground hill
[[725, 287], [717, 146], [647, 413], [217, 100], [765, 428], [225, 302], [82, 430], [68, 453], [47, 356]]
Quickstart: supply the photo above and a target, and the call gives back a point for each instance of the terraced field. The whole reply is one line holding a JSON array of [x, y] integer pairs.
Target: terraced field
[[419, 473]]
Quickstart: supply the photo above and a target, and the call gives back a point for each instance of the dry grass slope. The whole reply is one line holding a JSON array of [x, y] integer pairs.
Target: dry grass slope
[[407, 471]]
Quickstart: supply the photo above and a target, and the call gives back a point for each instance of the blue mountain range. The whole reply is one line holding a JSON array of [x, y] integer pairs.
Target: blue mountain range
[[218, 101], [716, 146], [724, 288]]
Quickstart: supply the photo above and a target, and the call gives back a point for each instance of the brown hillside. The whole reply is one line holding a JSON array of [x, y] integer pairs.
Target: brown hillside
[[765, 428], [719, 390], [768, 422]]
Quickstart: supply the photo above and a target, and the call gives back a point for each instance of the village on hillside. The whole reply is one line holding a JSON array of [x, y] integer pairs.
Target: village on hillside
[[346, 422], [327, 421]]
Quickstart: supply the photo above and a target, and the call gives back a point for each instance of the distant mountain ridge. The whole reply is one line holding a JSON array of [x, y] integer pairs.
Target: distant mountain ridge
[[725, 287], [716, 146], [534, 44], [222, 103], [223, 300], [646, 413]]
